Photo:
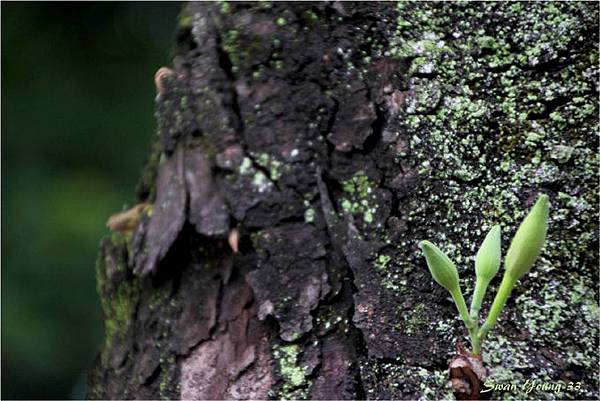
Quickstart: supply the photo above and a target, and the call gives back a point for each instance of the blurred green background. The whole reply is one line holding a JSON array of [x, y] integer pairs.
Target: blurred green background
[[77, 121]]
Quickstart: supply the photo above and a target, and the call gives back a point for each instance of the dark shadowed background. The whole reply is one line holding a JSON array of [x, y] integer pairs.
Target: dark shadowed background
[[77, 120]]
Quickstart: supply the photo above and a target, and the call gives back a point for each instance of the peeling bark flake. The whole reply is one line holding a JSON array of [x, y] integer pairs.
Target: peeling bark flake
[[152, 244], [207, 209]]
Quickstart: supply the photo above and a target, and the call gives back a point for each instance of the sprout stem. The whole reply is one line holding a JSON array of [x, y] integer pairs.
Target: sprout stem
[[506, 287], [471, 325], [459, 300], [475, 342], [480, 288]]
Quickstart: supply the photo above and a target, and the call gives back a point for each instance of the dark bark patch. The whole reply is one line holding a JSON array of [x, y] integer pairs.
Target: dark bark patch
[[147, 363], [382, 314], [174, 113], [371, 306], [291, 276], [403, 183], [199, 311], [236, 362], [353, 123], [230, 158], [336, 379], [236, 297]]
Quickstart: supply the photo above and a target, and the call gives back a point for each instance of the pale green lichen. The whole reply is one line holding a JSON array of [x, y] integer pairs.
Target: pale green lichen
[[271, 164], [310, 15], [382, 262], [259, 180], [168, 383], [231, 47], [309, 212], [416, 319], [295, 381], [361, 198], [224, 6], [245, 166]]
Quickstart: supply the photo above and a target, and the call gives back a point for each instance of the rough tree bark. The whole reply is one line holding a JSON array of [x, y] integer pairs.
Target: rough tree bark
[[332, 137]]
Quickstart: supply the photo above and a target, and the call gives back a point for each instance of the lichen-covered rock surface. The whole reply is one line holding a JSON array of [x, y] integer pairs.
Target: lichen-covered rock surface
[[334, 137]]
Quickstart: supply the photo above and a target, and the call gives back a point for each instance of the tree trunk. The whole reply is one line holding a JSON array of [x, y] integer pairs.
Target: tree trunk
[[323, 141]]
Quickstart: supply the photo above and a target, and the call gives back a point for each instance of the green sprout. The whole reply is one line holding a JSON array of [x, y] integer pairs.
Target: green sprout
[[524, 249]]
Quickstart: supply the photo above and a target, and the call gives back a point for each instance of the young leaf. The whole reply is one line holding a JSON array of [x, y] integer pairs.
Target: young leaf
[[529, 240], [441, 267]]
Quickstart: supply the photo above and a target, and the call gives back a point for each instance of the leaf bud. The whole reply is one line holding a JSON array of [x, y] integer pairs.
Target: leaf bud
[[487, 261], [441, 267], [527, 243]]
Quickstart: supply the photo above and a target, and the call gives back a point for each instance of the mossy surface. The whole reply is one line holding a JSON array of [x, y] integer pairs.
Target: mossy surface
[[118, 311], [118, 297]]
